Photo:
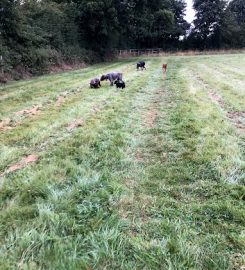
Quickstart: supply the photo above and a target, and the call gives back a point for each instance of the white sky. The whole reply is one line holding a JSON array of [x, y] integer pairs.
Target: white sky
[[190, 13]]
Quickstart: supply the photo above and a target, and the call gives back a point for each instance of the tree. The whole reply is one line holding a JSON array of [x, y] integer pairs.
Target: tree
[[181, 26], [237, 7], [209, 18], [98, 24], [155, 23], [233, 29]]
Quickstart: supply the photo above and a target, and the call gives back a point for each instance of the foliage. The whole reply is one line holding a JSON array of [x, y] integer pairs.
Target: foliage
[[233, 32], [98, 24], [36, 34], [218, 24], [208, 21]]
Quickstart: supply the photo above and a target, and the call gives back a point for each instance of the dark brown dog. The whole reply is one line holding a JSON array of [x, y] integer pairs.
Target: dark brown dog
[[95, 83]]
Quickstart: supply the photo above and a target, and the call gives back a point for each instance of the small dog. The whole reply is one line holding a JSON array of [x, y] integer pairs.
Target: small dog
[[141, 65], [95, 83], [120, 84], [164, 67]]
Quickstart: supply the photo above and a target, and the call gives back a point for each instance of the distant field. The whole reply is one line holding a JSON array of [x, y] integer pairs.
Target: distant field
[[151, 177]]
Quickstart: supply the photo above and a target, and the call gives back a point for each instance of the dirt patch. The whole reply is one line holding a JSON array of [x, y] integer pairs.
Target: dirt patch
[[139, 156], [125, 206], [237, 118], [151, 118], [60, 100], [8, 123], [75, 124], [5, 124], [238, 115], [216, 98], [23, 163], [34, 110]]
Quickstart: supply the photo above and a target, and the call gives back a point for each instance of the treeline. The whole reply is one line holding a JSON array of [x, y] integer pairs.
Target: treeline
[[37, 34], [219, 24]]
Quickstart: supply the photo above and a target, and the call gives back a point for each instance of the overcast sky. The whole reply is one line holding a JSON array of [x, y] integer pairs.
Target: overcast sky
[[189, 12]]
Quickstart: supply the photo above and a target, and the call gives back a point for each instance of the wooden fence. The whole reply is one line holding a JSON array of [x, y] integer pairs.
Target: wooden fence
[[138, 52], [161, 52]]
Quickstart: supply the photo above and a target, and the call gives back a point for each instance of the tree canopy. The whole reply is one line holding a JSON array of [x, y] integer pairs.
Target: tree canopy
[[35, 34], [218, 24]]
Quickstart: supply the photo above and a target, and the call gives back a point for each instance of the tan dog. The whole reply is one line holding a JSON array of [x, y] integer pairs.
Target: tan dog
[[164, 67]]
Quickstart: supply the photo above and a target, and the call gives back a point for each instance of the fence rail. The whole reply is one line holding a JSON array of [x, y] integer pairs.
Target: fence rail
[[161, 52], [138, 52]]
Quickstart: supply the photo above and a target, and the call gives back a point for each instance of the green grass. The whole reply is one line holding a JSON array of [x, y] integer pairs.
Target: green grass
[[153, 180]]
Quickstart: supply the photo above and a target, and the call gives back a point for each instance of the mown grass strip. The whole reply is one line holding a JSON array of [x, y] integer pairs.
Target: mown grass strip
[[185, 203]]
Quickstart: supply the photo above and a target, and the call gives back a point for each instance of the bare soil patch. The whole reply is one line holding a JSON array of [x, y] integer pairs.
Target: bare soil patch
[[151, 118], [34, 110], [8, 123], [139, 156], [21, 164], [216, 98], [75, 123], [237, 118], [5, 124], [60, 100]]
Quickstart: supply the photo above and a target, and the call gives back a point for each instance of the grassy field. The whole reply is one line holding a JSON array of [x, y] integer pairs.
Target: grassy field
[[151, 177]]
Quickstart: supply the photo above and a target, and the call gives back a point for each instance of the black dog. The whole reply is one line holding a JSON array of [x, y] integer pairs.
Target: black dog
[[140, 64], [120, 84]]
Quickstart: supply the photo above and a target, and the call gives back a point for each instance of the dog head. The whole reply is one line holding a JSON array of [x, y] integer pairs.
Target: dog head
[[104, 77]]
